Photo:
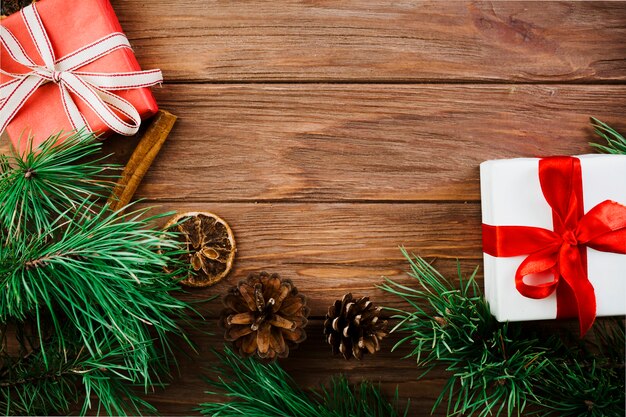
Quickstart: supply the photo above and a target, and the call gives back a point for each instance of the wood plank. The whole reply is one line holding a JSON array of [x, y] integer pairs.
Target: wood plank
[[310, 365], [332, 249], [360, 40], [313, 364], [362, 142], [345, 173]]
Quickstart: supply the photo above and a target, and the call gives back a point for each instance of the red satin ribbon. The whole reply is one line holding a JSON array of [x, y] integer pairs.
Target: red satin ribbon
[[562, 251]]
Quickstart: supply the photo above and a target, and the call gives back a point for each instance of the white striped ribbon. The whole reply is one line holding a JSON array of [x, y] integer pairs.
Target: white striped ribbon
[[93, 88]]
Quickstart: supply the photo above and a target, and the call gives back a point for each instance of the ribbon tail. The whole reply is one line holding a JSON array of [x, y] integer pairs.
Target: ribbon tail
[[74, 115], [586, 306], [7, 88], [124, 107], [573, 272]]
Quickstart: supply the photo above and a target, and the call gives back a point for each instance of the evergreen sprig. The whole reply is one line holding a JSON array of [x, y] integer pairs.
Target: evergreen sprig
[[501, 368], [615, 142], [587, 378], [90, 282], [256, 389], [42, 185], [102, 272], [28, 388]]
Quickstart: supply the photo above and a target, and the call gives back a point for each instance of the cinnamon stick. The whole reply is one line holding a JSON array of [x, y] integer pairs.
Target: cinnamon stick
[[141, 159]]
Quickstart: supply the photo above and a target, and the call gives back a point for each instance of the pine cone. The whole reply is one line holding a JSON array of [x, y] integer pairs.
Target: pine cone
[[353, 328], [264, 315]]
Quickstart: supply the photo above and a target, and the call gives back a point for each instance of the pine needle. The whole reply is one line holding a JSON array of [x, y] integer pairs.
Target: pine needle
[[27, 388], [615, 142], [89, 283], [256, 389], [44, 183], [501, 368]]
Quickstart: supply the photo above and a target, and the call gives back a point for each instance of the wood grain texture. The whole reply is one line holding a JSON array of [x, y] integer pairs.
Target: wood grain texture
[[328, 133], [378, 40], [362, 142], [313, 364], [310, 365], [330, 249]]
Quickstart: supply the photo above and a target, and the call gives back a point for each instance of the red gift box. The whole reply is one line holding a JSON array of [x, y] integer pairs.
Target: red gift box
[[70, 25]]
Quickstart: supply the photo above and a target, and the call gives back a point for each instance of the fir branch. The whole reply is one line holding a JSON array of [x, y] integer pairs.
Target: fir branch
[[615, 142], [28, 388], [47, 182], [492, 370], [91, 281], [587, 379], [498, 368], [104, 273], [276, 394], [561, 392]]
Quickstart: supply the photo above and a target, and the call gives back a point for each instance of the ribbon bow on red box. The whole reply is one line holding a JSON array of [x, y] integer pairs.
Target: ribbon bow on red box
[[562, 251], [95, 84]]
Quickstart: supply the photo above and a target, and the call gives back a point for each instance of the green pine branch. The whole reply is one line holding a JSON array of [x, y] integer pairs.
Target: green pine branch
[[492, 368], [587, 378], [501, 368], [43, 184], [92, 283], [104, 272], [28, 388], [615, 142], [260, 389]]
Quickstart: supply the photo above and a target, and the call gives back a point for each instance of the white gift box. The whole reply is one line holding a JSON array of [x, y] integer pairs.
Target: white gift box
[[511, 196]]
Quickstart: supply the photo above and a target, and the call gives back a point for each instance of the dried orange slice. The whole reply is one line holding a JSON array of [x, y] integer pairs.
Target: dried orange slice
[[209, 243]]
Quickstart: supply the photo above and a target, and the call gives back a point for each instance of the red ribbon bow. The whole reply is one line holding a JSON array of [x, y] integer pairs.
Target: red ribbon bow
[[562, 251]]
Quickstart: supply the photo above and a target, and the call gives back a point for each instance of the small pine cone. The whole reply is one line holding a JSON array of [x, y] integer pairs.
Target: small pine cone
[[264, 315], [352, 327]]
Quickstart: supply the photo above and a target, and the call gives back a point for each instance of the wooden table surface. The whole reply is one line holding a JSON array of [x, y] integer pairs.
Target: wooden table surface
[[329, 133]]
